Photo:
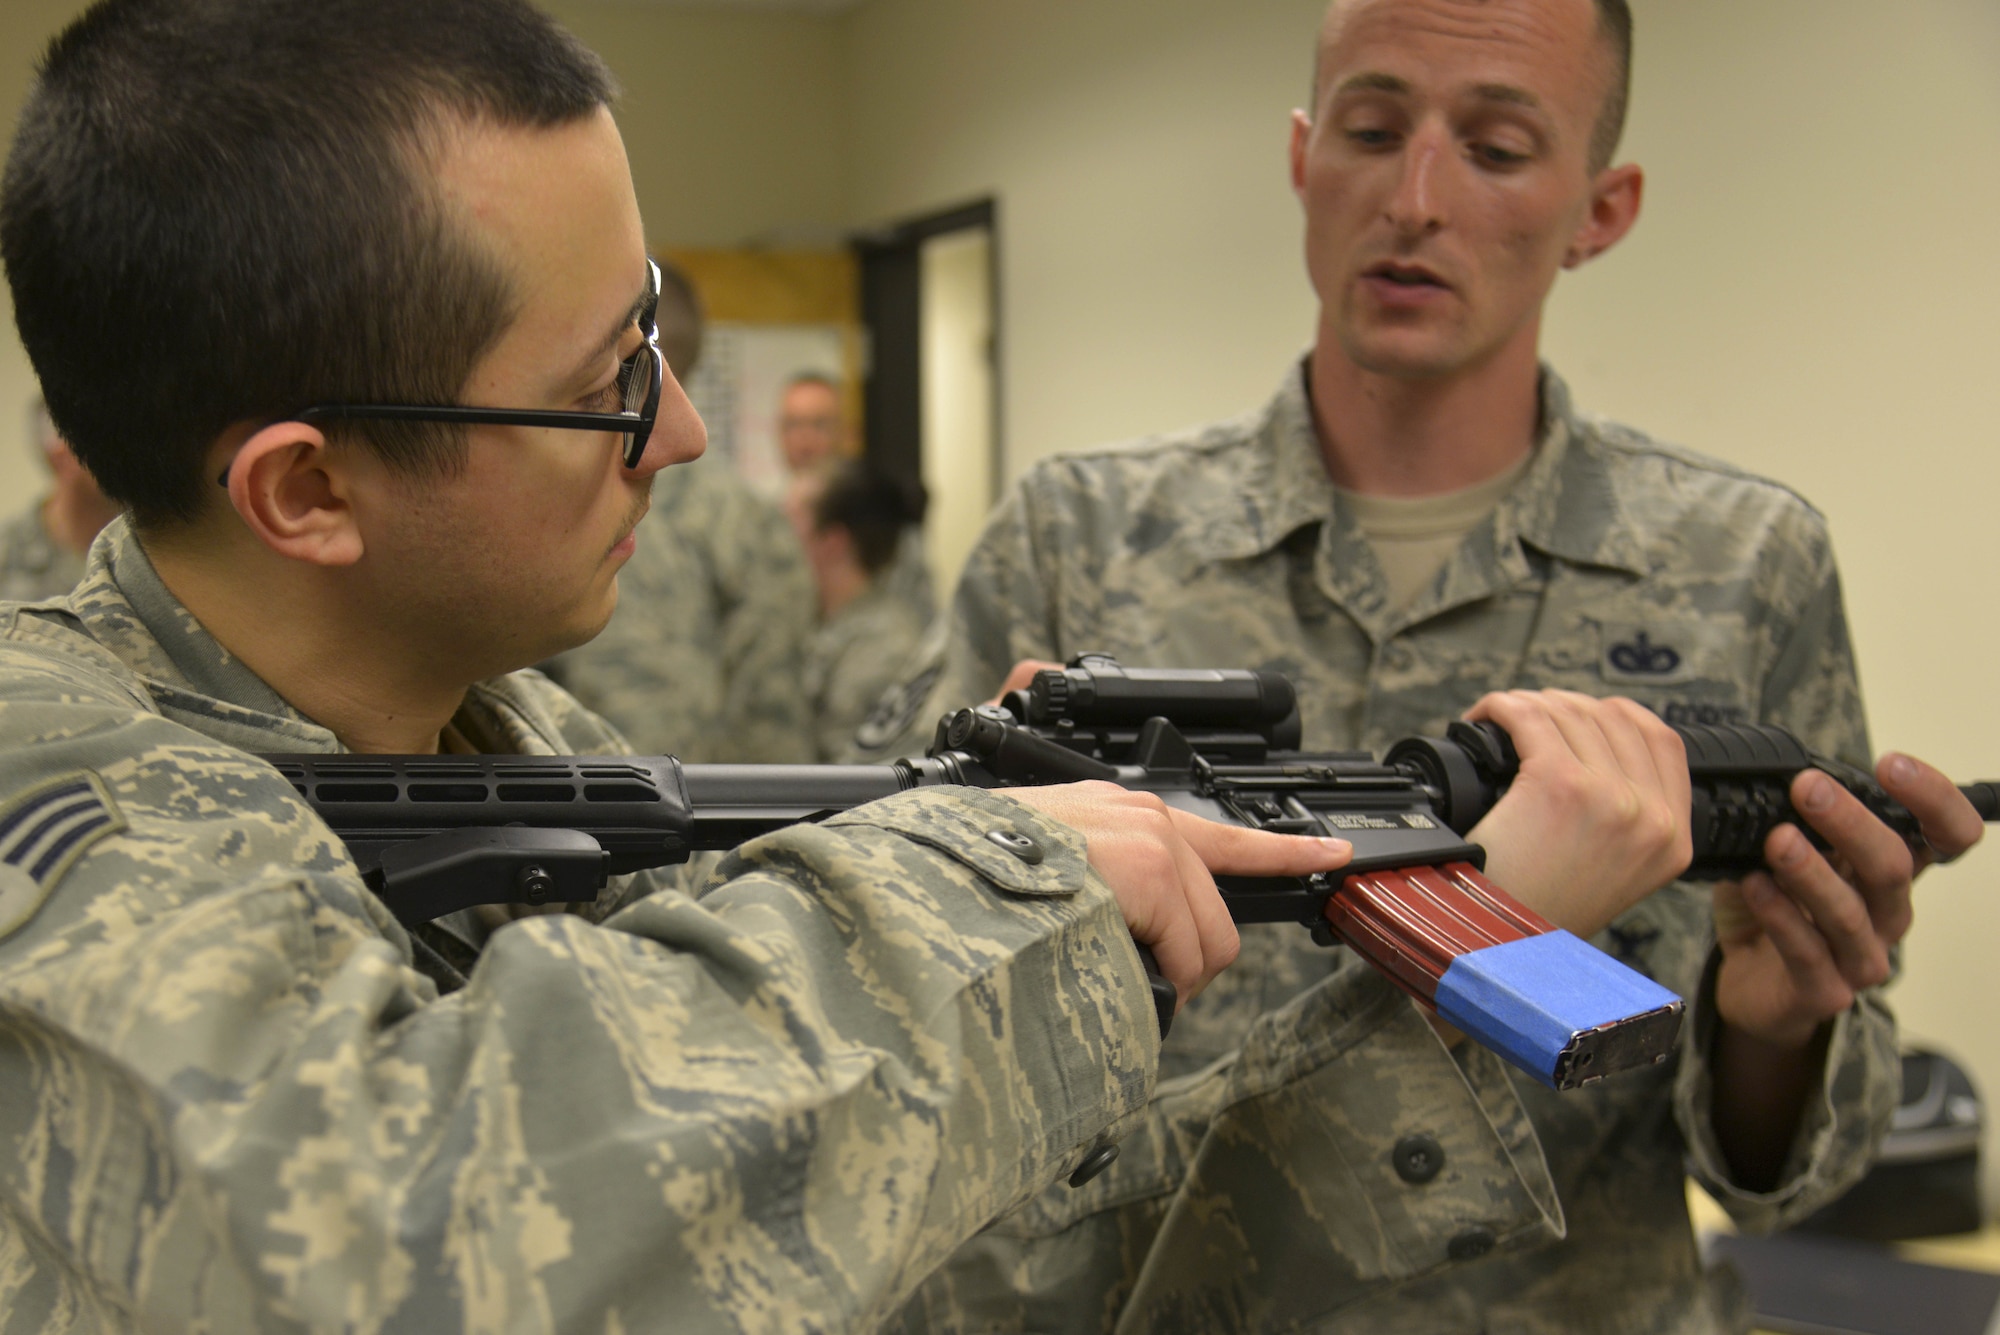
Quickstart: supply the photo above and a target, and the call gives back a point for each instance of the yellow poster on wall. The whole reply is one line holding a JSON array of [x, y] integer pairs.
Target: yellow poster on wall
[[772, 315]]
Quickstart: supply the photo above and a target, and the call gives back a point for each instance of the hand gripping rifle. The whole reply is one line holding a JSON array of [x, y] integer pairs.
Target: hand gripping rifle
[[435, 834]]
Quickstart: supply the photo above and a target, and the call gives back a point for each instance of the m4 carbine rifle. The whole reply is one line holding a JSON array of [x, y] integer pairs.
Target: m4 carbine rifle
[[435, 834]]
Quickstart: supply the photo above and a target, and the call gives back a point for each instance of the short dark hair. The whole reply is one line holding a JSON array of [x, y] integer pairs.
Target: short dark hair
[[215, 211], [874, 506], [1614, 25], [681, 320]]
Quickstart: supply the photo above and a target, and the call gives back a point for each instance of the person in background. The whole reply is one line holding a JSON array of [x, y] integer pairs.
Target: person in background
[[42, 548], [705, 657], [812, 432], [852, 523], [814, 438]]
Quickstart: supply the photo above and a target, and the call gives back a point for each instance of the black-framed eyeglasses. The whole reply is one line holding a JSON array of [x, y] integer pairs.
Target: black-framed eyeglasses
[[640, 380]]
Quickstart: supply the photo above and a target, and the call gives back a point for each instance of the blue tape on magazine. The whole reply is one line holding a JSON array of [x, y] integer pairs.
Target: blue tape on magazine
[[1528, 999]]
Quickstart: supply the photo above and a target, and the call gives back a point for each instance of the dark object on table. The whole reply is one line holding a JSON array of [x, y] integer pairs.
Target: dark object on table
[[1925, 1182], [1805, 1285]]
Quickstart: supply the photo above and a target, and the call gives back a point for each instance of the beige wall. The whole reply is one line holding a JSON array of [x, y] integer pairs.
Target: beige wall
[[1149, 243], [734, 121], [1814, 292]]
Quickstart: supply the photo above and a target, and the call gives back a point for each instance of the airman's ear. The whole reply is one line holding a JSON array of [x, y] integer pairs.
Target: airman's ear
[[287, 490], [1615, 198], [1302, 128]]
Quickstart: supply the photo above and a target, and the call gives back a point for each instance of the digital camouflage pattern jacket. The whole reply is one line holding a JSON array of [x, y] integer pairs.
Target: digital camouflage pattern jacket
[[32, 566], [230, 1100], [705, 657], [1615, 566], [853, 656]]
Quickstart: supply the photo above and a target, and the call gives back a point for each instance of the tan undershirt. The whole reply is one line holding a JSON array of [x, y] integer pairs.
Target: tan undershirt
[[1413, 536]]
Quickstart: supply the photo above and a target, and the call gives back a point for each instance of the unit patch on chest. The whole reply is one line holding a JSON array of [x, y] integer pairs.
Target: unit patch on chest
[[1649, 660], [896, 709], [1644, 655]]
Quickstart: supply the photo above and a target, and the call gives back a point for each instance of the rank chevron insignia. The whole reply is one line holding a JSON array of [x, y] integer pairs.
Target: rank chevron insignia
[[42, 834]]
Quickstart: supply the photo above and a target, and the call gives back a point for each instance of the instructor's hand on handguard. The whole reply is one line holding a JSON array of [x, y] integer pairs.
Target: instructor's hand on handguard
[[1598, 817], [1800, 940], [1161, 865]]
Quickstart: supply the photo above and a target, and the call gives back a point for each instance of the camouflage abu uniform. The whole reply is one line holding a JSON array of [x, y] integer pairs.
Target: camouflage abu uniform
[[229, 1102], [909, 577], [31, 565], [1615, 566], [860, 650], [704, 657]]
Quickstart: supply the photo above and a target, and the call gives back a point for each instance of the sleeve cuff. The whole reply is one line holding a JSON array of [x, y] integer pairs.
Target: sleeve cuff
[[1007, 842], [1846, 1115]]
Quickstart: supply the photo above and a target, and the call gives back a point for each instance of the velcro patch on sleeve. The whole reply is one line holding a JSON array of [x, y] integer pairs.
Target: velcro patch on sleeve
[[42, 834]]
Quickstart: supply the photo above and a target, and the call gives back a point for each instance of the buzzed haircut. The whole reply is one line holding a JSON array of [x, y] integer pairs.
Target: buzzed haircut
[[874, 506], [1614, 25], [820, 378], [222, 211]]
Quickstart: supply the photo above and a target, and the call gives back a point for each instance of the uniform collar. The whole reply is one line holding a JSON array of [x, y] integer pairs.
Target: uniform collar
[[876, 594], [126, 607], [1282, 483], [1566, 504]]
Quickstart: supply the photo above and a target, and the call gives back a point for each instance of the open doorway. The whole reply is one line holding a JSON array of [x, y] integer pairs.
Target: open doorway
[[931, 392]]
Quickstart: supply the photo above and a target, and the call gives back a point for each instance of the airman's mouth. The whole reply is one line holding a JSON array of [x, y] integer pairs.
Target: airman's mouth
[[1404, 275]]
